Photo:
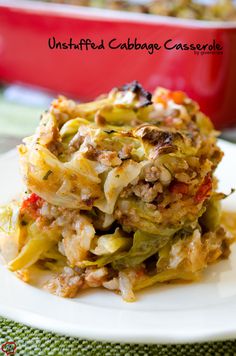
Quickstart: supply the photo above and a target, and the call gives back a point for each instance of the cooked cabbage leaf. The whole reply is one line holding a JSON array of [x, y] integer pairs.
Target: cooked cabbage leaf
[[39, 242], [168, 275], [72, 126], [9, 217], [144, 246], [210, 219], [111, 243], [116, 180], [70, 185]]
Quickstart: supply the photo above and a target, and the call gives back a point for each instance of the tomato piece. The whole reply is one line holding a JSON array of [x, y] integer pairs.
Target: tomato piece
[[179, 188], [178, 96], [204, 189], [31, 204]]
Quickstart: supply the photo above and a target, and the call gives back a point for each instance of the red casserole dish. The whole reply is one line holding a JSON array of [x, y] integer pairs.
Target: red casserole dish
[[26, 26]]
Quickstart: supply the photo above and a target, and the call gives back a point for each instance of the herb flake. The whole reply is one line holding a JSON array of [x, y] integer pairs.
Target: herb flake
[[45, 177]]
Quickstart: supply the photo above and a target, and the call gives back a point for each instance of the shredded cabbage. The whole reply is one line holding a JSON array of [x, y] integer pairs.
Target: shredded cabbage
[[111, 243], [70, 184], [38, 243], [116, 180], [144, 246]]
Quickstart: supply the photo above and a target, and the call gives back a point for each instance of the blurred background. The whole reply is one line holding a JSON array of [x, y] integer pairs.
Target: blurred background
[[31, 74]]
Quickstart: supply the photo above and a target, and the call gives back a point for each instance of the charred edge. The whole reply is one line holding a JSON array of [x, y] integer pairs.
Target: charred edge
[[155, 137], [164, 141], [135, 87]]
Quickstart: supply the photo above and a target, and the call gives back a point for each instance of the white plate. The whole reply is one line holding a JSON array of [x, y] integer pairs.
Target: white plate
[[177, 313]]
